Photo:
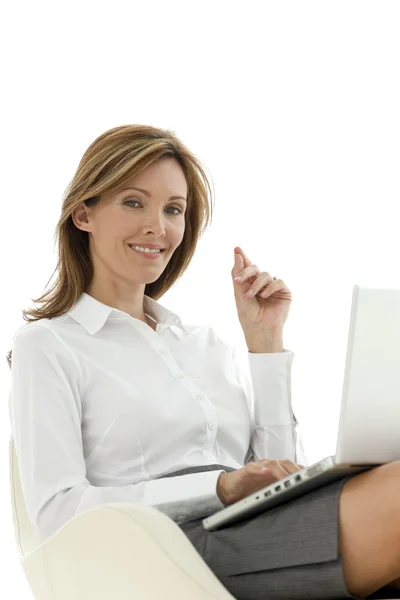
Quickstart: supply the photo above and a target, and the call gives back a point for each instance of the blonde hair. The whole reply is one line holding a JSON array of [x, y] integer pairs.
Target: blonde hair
[[110, 161]]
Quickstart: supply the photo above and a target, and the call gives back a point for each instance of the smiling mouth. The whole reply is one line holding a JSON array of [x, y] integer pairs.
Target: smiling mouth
[[149, 255], [151, 249]]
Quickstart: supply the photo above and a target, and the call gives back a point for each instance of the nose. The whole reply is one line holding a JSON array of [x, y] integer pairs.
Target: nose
[[154, 223]]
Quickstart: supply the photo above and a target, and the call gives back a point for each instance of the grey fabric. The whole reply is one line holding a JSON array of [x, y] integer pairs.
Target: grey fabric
[[287, 552], [188, 470]]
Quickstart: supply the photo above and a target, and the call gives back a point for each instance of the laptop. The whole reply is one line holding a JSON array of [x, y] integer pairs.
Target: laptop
[[369, 421]]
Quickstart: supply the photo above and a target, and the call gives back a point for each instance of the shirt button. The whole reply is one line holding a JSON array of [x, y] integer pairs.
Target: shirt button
[[162, 351], [199, 397], [209, 456], [211, 425], [180, 376]]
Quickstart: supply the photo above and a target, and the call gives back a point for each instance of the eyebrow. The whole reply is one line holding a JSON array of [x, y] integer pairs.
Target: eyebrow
[[149, 195]]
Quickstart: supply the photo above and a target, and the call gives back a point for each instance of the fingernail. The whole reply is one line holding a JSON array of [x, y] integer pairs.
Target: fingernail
[[238, 278]]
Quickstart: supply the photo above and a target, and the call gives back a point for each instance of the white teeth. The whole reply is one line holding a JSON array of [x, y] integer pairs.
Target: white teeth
[[141, 249]]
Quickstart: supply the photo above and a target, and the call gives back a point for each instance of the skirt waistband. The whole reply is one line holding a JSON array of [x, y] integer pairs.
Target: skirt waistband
[[198, 469]]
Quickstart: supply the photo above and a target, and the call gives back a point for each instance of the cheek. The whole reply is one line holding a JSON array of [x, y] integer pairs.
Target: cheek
[[179, 233], [113, 226], [179, 236], [173, 236]]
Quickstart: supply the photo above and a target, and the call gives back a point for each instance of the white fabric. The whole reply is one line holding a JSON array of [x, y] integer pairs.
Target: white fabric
[[101, 405]]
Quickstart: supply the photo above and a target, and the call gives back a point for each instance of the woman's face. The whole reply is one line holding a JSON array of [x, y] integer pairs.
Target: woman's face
[[129, 216]]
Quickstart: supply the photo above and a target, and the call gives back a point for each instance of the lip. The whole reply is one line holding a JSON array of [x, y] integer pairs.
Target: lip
[[148, 255]]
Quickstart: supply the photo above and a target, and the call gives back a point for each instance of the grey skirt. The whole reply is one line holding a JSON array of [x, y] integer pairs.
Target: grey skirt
[[288, 552]]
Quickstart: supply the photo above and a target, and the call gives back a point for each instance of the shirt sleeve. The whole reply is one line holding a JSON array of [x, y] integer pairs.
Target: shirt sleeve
[[45, 412], [275, 432]]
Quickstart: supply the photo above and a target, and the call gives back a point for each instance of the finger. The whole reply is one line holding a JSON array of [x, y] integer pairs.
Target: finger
[[277, 469], [269, 289], [290, 466], [247, 261], [246, 273], [285, 468], [261, 284], [238, 266], [258, 468]]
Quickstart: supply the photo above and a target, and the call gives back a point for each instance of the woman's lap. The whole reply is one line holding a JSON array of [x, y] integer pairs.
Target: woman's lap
[[290, 551]]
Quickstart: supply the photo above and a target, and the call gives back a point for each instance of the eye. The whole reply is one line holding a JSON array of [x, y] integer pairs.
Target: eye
[[175, 207]]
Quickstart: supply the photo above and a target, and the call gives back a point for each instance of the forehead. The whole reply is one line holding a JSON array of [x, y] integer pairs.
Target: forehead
[[165, 173]]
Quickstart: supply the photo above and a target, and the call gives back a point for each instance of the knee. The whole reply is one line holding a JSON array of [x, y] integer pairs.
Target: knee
[[388, 475], [382, 482], [390, 469]]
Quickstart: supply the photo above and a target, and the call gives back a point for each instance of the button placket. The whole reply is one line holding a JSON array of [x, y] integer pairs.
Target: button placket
[[206, 405]]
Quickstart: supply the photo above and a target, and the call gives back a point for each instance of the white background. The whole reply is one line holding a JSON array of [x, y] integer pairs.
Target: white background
[[293, 108]]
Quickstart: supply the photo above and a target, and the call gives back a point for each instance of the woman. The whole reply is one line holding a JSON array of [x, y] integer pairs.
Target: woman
[[91, 427]]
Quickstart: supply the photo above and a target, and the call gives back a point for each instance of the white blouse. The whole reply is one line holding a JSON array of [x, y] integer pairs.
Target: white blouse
[[101, 405]]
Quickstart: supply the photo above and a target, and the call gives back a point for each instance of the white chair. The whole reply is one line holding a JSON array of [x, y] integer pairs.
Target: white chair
[[121, 550]]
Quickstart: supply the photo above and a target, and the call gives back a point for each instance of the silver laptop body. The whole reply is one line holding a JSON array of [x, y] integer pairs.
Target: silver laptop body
[[369, 425]]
